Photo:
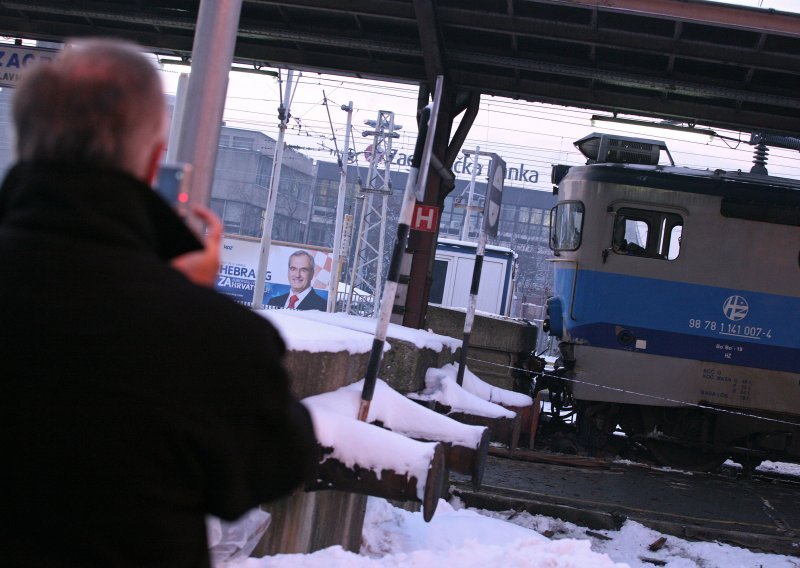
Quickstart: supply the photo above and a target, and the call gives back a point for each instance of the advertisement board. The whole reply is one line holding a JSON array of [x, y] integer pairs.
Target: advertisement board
[[14, 58], [237, 273]]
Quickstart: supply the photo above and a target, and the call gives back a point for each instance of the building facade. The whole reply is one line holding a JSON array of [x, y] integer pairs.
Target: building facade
[[241, 185], [524, 221]]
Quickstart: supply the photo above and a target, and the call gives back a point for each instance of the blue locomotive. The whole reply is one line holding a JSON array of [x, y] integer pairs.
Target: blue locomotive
[[677, 305]]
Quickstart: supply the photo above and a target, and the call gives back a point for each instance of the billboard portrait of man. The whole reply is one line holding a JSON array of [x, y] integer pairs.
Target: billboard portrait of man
[[301, 296]]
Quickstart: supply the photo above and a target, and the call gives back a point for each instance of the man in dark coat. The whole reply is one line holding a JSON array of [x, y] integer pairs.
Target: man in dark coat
[[135, 400], [301, 296]]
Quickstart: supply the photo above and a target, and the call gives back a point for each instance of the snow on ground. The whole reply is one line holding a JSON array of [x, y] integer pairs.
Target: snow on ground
[[469, 538], [792, 469]]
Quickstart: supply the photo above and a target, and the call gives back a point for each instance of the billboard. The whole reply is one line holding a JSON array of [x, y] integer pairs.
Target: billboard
[[239, 260], [14, 58]]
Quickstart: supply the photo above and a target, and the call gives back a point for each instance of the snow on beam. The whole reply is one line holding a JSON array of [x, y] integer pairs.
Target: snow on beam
[[476, 402], [466, 447], [362, 458]]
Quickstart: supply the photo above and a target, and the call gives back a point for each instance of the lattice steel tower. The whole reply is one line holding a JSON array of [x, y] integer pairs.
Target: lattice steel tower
[[366, 270]]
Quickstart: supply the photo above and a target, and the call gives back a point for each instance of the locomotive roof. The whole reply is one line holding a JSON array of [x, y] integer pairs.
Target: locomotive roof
[[733, 184]]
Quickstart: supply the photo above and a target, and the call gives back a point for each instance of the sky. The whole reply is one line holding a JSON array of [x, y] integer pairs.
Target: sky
[[535, 135], [458, 537]]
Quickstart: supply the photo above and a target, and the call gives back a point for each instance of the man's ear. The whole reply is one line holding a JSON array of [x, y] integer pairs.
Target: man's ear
[[153, 161]]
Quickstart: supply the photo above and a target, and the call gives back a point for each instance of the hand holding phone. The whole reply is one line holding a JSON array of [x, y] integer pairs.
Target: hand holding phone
[[172, 184], [202, 266]]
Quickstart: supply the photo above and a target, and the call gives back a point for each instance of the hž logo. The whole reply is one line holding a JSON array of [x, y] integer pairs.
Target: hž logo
[[735, 308]]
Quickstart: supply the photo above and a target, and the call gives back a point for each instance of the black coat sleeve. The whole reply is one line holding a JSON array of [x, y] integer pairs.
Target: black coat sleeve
[[264, 447]]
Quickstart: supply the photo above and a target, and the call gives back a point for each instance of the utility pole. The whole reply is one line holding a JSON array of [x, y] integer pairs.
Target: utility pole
[[212, 55], [366, 270], [275, 179], [468, 213], [491, 219], [336, 269], [422, 150]]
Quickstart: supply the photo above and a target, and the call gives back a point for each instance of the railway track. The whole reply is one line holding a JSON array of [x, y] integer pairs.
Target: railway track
[[642, 460], [756, 511]]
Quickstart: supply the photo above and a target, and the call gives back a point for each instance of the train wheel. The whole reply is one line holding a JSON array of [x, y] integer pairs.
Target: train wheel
[[596, 423], [685, 436], [676, 456]]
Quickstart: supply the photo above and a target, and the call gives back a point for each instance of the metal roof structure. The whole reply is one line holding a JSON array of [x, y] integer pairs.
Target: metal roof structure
[[686, 60]]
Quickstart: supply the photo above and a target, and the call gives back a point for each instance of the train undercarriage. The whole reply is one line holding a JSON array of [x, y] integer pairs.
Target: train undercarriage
[[697, 437]]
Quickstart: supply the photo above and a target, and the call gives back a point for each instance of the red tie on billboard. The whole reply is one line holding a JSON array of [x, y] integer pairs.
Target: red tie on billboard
[[293, 301]]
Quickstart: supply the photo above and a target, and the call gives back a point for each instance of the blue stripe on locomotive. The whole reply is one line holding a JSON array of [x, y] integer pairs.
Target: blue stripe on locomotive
[[679, 319]]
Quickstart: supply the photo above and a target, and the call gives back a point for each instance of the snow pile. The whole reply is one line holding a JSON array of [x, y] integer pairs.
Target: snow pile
[[441, 387], [398, 414], [318, 338], [420, 338], [767, 466], [484, 390]]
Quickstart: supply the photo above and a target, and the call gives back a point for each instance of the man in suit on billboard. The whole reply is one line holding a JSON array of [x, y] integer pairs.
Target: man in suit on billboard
[[301, 295]]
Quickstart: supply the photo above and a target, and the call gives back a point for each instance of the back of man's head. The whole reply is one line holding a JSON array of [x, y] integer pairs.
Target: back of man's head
[[99, 103]]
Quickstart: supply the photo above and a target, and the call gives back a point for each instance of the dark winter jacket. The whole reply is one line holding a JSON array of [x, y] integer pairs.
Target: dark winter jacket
[[133, 402]]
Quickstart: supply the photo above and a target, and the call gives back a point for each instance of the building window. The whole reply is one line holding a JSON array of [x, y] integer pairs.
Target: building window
[[320, 234], [264, 172], [253, 221], [327, 194], [239, 218], [242, 143], [232, 217]]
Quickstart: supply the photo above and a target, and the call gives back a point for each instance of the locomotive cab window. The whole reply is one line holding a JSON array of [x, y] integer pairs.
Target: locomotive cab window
[[649, 234], [566, 225]]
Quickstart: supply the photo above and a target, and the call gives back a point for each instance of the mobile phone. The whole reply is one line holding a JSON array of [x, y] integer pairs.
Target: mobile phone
[[172, 184]]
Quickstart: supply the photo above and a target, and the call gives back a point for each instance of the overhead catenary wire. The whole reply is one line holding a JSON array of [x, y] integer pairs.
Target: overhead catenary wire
[[695, 155]]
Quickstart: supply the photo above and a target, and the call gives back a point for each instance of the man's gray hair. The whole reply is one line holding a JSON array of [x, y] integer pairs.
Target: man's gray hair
[[303, 253], [99, 102]]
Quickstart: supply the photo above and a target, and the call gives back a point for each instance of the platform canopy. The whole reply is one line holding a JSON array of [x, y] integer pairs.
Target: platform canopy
[[692, 61]]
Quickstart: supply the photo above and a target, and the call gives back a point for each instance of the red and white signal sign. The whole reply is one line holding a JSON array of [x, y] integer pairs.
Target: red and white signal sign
[[426, 218]]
